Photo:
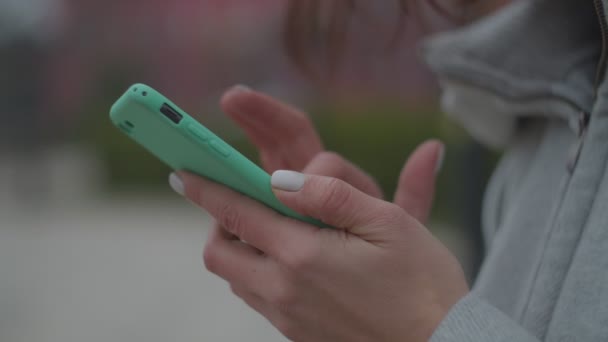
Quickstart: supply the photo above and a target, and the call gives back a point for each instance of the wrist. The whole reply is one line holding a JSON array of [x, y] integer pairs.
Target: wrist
[[432, 317]]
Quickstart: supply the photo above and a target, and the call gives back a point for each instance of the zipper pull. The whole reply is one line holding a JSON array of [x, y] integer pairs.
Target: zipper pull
[[583, 125]]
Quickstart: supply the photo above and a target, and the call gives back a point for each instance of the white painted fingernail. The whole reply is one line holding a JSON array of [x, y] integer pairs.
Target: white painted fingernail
[[440, 160], [288, 180], [237, 89], [176, 184]]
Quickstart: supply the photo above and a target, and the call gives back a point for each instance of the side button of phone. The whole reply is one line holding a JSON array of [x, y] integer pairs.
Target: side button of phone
[[197, 134], [220, 148]]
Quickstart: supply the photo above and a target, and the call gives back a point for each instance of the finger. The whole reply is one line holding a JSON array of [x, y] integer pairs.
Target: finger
[[333, 165], [330, 200], [229, 236], [252, 300], [416, 189], [225, 233], [233, 260], [285, 136], [251, 221]]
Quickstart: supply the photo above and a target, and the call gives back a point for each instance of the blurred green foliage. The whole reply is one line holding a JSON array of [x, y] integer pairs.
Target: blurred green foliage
[[377, 137]]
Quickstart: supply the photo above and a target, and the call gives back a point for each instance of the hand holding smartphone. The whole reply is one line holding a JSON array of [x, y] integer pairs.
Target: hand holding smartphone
[[183, 143]]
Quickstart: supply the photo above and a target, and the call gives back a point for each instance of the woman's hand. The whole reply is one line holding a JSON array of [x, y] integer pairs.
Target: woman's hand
[[380, 277], [286, 139]]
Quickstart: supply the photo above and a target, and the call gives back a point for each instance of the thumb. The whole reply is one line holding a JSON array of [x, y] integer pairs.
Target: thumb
[[416, 188], [330, 200]]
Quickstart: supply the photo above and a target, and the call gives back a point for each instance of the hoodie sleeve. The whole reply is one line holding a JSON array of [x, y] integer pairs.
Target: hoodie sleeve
[[474, 320]]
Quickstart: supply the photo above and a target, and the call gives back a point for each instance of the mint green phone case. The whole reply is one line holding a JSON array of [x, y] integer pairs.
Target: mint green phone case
[[183, 143]]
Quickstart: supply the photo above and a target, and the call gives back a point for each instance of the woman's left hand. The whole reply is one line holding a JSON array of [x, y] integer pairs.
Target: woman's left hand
[[381, 276]]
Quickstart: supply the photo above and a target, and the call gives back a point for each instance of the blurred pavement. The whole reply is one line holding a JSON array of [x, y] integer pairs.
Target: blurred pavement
[[115, 270]]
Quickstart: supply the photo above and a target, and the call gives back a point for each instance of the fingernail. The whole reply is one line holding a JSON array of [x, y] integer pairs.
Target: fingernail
[[237, 89], [176, 184], [440, 160], [288, 180]]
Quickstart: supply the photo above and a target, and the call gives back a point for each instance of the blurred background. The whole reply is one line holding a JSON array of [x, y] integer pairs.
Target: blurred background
[[93, 244]]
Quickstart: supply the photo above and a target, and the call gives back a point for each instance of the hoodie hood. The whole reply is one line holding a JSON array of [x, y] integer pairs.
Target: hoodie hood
[[532, 59]]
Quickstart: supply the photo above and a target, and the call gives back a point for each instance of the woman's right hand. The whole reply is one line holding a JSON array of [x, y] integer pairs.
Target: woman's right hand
[[287, 140]]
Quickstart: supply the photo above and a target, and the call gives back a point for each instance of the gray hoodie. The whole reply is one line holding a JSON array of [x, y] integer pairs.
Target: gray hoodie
[[530, 79]]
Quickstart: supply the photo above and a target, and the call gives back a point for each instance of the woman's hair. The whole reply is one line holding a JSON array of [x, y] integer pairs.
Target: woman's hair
[[314, 26]]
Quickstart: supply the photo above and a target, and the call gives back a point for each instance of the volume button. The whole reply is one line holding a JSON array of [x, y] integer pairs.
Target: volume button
[[220, 148], [197, 133]]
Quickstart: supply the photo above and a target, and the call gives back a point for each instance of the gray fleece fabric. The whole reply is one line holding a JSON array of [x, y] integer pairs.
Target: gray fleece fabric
[[527, 75]]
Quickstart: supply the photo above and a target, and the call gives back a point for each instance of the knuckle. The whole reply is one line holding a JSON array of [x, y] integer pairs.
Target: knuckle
[[300, 119], [231, 219], [303, 258], [390, 214], [300, 129], [331, 163], [335, 195], [330, 158], [284, 298]]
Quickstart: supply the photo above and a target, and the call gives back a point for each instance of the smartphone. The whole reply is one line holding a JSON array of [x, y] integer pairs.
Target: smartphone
[[183, 143]]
